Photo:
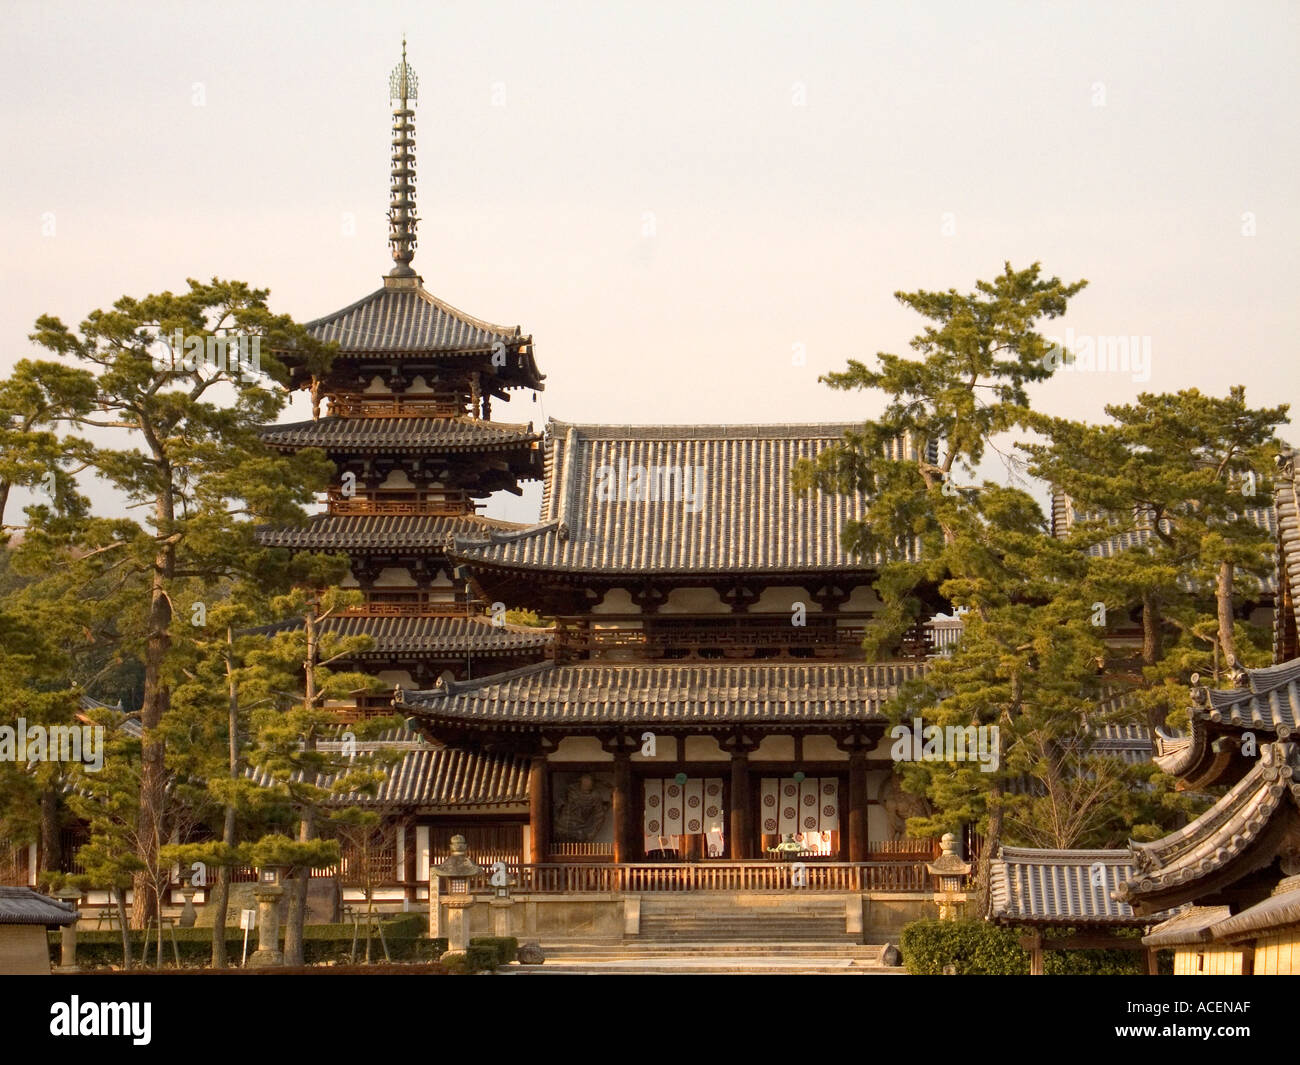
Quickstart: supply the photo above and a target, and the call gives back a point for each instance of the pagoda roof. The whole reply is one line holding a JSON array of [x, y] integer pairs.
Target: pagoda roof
[[1286, 611], [736, 515], [698, 695], [1236, 836], [404, 532], [389, 435], [1060, 887], [406, 317], [433, 637]]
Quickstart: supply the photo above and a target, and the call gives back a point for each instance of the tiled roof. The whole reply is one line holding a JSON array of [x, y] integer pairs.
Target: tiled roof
[[430, 776], [1280, 910], [407, 532], [1065, 516], [408, 319], [1286, 501], [456, 637], [1174, 869], [1270, 700], [1060, 887], [586, 694], [22, 905], [1266, 700], [1187, 927], [713, 499], [1129, 742], [423, 435]]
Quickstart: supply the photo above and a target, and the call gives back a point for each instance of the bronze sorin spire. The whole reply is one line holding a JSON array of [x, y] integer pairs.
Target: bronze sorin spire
[[402, 85]]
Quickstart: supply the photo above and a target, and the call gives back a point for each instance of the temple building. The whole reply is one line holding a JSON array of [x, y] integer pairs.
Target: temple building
[[706, 696]]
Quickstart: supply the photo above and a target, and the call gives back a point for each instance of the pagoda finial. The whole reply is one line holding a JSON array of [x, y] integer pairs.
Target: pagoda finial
[[402, 89]]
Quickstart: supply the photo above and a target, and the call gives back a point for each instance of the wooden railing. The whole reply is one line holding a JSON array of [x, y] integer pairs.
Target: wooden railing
[[896, 876], [732, 638], [406, 610], [396, 503], [353, 405]]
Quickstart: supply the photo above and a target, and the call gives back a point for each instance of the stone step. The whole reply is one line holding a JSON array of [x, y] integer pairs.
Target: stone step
[[705, 949]]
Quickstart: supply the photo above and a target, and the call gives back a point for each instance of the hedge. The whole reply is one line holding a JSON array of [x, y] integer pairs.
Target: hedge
[[404, 934], [978, 948]]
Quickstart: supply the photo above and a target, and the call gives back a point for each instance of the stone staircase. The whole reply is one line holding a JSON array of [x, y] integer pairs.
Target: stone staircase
[[633, 958], [711, 917], [699, 933]]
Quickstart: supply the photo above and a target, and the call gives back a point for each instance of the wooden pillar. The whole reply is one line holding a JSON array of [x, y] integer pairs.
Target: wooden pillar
[[409, 854], [858, 806], [539, 810], [1035, 946], [621, 808], [1153, 965], [741, 844]]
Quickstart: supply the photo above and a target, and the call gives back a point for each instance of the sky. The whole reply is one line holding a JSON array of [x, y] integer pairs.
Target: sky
[[694, 208]]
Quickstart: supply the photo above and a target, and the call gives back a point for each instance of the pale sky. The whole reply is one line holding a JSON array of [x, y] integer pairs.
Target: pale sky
[[671, 196]]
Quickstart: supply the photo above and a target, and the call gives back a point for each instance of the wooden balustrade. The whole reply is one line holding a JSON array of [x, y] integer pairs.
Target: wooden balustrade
[[357, 405], [561, 877], [657, 639], [406, 610], [377, 503]]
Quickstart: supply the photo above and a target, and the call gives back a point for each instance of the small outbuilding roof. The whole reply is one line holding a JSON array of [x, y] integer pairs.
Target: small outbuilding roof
[[22, 905]]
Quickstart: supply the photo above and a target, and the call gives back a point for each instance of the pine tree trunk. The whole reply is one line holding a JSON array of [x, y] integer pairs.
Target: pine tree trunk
[[1223, 597], [984, 873], [296, 917], [120, 894], [51, 842], [221, 891], [153, 769], [1151, 647]]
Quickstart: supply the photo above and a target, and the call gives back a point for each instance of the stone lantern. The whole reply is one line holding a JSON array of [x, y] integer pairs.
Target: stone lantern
[[69, 896], [269, 891], [950, 870], [501, 882], [454, 876], [189, 915]]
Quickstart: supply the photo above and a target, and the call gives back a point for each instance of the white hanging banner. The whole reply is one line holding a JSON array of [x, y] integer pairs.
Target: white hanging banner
[[673, 810], [794, 807]]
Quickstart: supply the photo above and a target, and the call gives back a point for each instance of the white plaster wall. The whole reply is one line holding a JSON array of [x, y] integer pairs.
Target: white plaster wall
[[694, 601], [774, 749], [579, 749], [822, 749], [704, 749]]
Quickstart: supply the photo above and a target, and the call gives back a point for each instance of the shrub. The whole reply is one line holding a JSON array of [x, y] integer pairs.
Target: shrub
[[977, 948], [973, 948], [506, 946], [482, 957]]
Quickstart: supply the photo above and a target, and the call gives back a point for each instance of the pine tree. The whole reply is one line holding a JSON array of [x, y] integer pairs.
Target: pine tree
[[193, 460]]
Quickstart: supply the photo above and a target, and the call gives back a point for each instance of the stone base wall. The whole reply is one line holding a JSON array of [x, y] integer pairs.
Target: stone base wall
[[24, 950], [870, 918]]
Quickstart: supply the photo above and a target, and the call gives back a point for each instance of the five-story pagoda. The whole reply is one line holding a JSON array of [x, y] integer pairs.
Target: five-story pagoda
[[408, 427]]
